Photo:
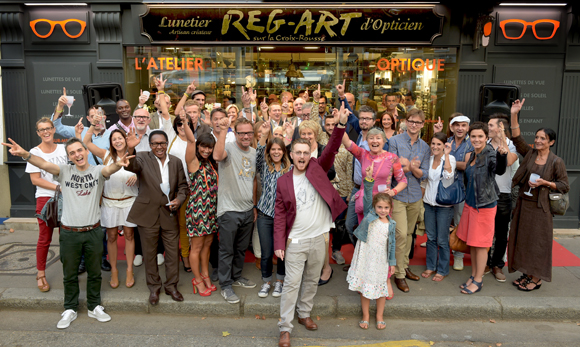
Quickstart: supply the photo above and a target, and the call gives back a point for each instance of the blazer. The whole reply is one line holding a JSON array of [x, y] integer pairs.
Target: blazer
[[150, 204], [331, 174], [361, 232], [285, 210], [154, 124]]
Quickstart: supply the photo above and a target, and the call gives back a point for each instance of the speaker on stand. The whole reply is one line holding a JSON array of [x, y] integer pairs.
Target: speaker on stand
[[104, 95], [496, 98]]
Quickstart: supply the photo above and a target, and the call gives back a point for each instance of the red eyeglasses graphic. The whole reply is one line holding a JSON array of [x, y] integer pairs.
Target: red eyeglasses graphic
[[515, 25], [62, 23]]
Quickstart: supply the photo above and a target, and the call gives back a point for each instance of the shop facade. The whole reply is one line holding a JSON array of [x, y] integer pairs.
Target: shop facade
[[427, 49]]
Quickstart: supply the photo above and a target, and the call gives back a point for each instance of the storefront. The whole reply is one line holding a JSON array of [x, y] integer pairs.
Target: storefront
[[427, 49]]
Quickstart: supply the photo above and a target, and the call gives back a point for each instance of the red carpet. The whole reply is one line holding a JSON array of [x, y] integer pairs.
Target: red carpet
[[560, 255]]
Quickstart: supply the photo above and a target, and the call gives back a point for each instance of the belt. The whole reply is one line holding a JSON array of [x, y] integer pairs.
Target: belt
[[91, 227], [126, 198], [357, 186]]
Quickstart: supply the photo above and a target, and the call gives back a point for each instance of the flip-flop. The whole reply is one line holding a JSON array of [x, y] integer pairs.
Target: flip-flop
[[427, 275], [381, 323], [363, 322], [438, 278]]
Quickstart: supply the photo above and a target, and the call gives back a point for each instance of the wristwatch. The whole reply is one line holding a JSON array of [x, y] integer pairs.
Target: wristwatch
[[343, 124]]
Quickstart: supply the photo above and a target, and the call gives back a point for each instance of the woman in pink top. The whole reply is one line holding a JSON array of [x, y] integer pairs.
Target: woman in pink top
[[387, 166]]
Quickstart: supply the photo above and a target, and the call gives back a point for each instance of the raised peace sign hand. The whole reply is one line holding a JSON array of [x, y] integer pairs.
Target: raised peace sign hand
[[123, 160], [438, 127], [316, 94], [15, 149], [369, 171], [305, 96], [160, 82], [341, 88]]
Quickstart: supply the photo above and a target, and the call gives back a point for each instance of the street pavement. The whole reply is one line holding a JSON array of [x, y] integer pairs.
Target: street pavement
[[555, 301]]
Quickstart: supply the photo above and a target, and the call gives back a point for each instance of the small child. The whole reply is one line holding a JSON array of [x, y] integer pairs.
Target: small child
[[373, 261]]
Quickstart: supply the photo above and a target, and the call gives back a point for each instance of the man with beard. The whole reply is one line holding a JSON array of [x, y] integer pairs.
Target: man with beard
[[306, 206], [161, 179]]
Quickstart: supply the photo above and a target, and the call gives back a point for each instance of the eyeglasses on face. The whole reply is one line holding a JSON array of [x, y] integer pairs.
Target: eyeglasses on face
[[517, 27], [45, 129], [158, 144], [365, 119], [62, 23], [141, 117], [412, 122], [302, 154], [249, 133]]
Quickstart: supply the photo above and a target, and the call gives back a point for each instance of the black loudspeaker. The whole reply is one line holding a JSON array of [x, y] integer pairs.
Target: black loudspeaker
[[104, 95], [496, 98]]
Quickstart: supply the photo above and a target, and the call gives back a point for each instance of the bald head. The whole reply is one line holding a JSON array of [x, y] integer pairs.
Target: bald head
[[350, 100]]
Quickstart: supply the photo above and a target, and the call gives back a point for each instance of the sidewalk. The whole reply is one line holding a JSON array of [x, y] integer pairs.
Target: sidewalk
[[558, 300]]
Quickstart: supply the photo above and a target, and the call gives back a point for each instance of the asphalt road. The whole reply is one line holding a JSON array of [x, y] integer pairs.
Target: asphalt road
[[27, 328]]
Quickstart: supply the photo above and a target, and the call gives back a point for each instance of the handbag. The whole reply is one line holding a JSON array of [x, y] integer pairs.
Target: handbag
[[51, 213], [456, 243], [451, 195], [559, 202]]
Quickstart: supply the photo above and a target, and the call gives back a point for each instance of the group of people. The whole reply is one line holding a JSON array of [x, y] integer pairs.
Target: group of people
[[286, 176]]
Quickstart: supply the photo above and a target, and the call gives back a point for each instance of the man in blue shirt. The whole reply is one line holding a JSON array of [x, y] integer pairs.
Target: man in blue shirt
[[414, 154]]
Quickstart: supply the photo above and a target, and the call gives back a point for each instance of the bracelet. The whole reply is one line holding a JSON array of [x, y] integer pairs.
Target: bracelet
[[369, 179], [57, 111], [394, 190], [161, 92], [515, 127], [186, 95], [29, 155]]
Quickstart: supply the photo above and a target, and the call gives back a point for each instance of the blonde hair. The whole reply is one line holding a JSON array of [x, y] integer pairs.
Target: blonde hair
[[232, 106], [312, 125]]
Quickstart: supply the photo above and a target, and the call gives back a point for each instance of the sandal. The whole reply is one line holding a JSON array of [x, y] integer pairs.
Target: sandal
[[211, 286], [479, 285], [391, 296], [427, 273], [465, 284], [438, 278], [519, 281], [45, 287], [114, 279], [381, 323], [360, 324], [130, 275], [525, 285]]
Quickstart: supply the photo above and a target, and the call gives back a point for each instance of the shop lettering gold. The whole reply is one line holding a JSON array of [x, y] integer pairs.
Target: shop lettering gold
[[167, 63], [326, 20], [378, 24], [181, 23]]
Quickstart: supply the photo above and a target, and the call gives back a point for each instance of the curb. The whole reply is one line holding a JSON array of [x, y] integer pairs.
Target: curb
[[415, 307]]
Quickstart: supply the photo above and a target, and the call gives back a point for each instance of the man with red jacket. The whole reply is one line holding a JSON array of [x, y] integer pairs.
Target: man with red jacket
[[306, 206]]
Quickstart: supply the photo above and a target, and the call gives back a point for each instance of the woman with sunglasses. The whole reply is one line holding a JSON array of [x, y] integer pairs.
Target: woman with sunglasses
[[119, 194], [201, 208], [177, 147], [46, 187]]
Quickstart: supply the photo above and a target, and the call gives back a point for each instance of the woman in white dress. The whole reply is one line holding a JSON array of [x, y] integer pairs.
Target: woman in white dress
[[119, 194]]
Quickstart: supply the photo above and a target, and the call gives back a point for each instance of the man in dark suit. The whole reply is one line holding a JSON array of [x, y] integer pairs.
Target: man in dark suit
[[193, 110], [300, 239], [153, 214]]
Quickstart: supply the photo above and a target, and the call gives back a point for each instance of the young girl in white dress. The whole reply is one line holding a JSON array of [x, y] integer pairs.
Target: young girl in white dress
[[373, 261]]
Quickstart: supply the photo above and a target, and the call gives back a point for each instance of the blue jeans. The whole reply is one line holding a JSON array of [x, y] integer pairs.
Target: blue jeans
[[437, 221], [351, 216], [266, 233]]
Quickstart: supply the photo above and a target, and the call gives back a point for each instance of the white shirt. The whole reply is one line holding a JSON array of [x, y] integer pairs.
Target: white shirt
[[143, 146], [434, 177], [164, 167], [58, 156], [504, 182], [313, 216], [230, 137]]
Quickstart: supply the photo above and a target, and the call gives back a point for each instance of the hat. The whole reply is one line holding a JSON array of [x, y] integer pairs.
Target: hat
[[459, 119], [198, 91]]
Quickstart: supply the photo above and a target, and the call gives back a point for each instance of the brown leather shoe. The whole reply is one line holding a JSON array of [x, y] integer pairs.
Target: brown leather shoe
[[308, 323], [154, 297], [498, 274], [259, 263], [175, 295], [402, 284], [411, 275], [284, 339]]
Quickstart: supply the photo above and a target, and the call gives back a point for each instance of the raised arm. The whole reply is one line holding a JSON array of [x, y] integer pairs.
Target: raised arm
[[190, 89], [123, 161], [327, 157], [60, 105], [164, 108], [515, 125], [219, 152], [88, 141], [369, 183], [190, 156], [40, 163]]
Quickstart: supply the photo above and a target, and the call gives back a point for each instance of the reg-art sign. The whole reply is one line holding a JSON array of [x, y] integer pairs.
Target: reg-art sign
[[285, 24]]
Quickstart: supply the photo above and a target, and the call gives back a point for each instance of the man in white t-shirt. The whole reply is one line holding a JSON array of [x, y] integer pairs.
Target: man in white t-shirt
[[306, 206], [497, 136], [82, 186]]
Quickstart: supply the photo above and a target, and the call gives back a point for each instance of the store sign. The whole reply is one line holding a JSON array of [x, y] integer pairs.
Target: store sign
[[406, 64], [419, 24], [49, 25], [529, 26]]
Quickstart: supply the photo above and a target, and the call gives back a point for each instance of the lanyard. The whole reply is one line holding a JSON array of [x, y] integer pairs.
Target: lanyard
[[205, 177]]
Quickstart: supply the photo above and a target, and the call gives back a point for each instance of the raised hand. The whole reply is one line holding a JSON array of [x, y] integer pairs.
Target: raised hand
[[160, 82], [341, 89], [305, 96], [182, 116], [265, 127], [79, 127], [343, 114], [62, 101], [370, 170], [225, 123], [15, 149], [517, 106], [123, 160], [316, 94], [190, 89], [289, 127], [245, 98], [132, 139], [142, 98], [438, 127], [447, 149], [264, 106], [285, 106], [253, 95]]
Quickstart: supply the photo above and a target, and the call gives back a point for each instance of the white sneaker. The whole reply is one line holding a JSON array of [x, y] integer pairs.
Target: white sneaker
[[424, 244], [264, 291], [99, 314], [160, 259], [67, 317], [457, 263], [278, 289], [138, 261]]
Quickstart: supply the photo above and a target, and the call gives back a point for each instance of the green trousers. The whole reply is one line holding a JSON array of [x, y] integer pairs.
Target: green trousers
[[72, 246]]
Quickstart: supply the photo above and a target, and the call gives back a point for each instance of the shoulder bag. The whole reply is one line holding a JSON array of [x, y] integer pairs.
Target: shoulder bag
[[51, 213], [559, 202], [451, 195]]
